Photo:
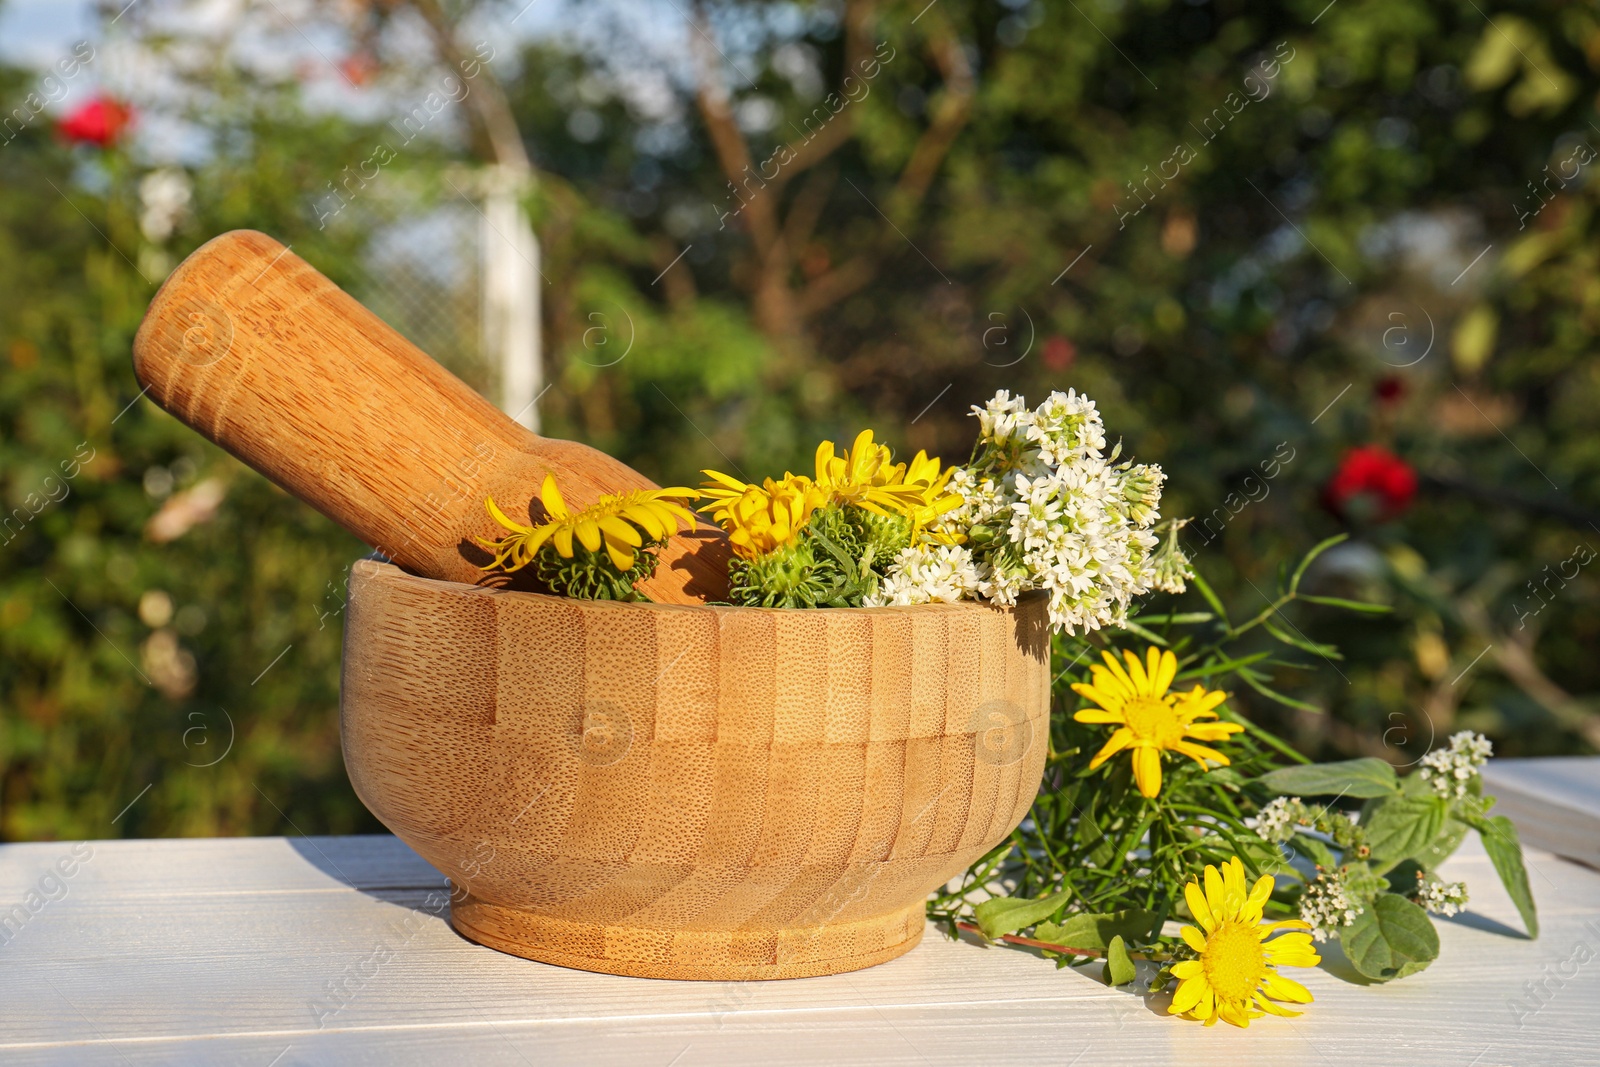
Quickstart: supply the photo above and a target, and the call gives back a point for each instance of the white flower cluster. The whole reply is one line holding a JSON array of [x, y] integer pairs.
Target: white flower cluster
[[928, 574], [1451, 770], [1043, 507], [1279, 819], [1441, 898], [1327, 906]]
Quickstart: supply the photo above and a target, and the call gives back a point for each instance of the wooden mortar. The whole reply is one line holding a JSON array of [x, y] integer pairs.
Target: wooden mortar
[[699, 792]]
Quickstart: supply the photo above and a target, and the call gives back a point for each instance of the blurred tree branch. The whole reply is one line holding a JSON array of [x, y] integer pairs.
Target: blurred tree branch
[[781, 309]]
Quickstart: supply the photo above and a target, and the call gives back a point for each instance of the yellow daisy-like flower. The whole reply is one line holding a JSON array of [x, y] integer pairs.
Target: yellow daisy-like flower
[[863, 476], [1234, 978], [610, 521], [762, 518], [931, 501], [1151, 720]]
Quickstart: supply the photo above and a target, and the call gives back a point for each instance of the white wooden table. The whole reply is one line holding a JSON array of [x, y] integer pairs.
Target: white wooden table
[[236, 952]]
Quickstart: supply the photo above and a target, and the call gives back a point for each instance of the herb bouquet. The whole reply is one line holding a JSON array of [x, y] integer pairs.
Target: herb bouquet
[[1169, 828]]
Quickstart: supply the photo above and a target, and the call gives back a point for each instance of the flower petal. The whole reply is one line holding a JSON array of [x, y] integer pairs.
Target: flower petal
[[1199, 907], [1165, 670], [535, 539], [1212, 731], [563, 540], [1141, 680], [621, 554], [1110, 700], [613, 527], [1276, 1009], [589, 533], [648, 520], [728, 482], [1189, 993], [1153, 668], [1193, 938], [1147, 770], [1281, 988], [1233, 881], [1116, 672], [1217, 894], [678, 511], [1199, 753], [1120, 739], [1096, 717], [551, 498], [500, 517], [1207, 1008]]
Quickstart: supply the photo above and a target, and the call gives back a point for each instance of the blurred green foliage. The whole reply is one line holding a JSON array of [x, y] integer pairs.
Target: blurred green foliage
[[1251, 231]]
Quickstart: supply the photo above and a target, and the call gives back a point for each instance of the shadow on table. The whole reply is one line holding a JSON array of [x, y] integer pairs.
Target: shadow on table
[[1336, 963], [1484, 923], [381, 866]]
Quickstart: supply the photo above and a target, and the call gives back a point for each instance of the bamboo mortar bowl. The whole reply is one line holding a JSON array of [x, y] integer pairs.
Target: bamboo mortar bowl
[[694, 792]]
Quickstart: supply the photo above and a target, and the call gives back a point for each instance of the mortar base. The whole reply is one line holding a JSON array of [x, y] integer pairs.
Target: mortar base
[[697, 955]]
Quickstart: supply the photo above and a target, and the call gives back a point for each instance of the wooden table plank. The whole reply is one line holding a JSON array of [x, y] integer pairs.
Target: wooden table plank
[[222, 951]]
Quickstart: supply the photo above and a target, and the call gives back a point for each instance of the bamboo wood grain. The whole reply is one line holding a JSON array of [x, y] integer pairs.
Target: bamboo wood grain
[[690, 792], [251, 346]]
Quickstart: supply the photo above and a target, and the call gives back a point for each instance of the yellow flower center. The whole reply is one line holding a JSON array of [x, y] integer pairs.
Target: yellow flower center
[[1234, 961], [614, 504], [1153, 721]]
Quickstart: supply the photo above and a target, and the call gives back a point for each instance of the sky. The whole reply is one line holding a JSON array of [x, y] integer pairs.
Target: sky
[[36, 33], [41, 34]]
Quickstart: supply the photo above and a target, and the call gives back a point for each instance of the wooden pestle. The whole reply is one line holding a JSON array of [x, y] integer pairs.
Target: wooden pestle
[[248, 344]]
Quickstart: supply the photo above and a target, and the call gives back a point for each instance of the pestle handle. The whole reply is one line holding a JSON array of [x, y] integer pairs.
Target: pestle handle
[[254, 348]]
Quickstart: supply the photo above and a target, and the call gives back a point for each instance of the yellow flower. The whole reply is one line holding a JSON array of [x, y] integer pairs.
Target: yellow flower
[[609, 521], [931, 501], [1234, 978], [1151, 720], [863, 476], [762, 518]]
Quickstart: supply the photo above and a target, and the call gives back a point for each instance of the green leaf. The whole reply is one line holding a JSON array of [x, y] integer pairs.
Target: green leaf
[[1270, 740], [1211, 598], [1505, 852], [1095, 930], [1362, 883], [1225, 666], [1314, 850], [1348, 605], [1391, 938], [1366, 777], [1402, 827], [1134, 628], [1441, 847], [1403, 878], [1180, 618], [1119, 966], [1305, 645], [1273, 694], [1319, 549], [1007, 915]]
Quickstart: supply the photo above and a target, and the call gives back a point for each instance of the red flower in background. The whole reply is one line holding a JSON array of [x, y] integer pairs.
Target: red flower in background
[[1057, 352], [99, 122], [1370, 481], [1390, 389], [358, 69]]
